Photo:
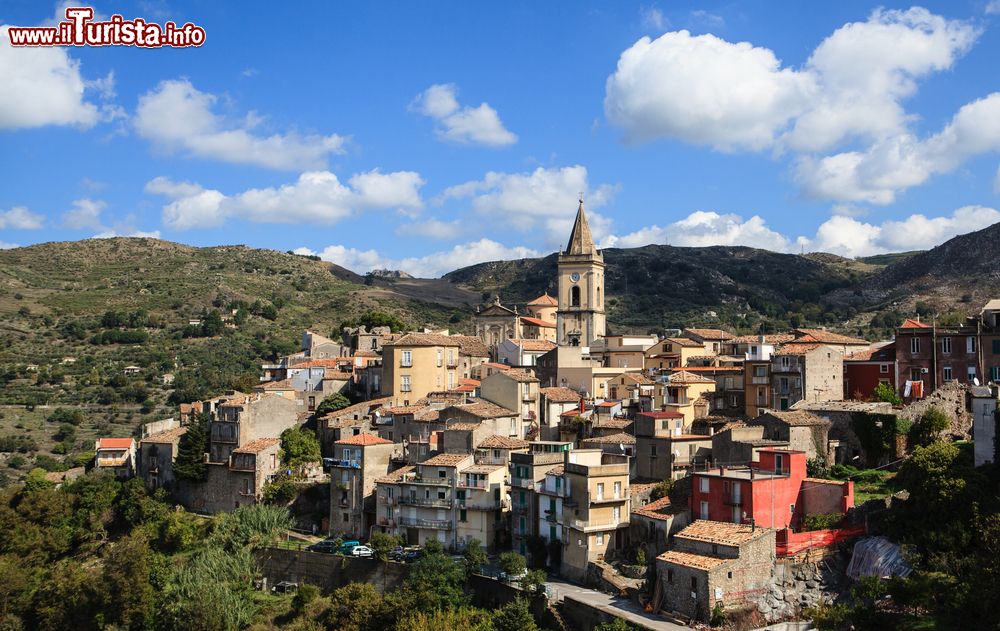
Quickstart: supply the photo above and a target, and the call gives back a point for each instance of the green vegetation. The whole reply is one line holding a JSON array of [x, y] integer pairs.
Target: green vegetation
[[822, 521], [190, 463], [661, 490], [332, 403], [371, 319], [886, 393], [475, 557], [513, 563], [299, 446], [929, 426]]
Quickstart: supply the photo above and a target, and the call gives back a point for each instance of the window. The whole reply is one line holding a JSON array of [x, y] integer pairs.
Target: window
[[970, 345], [442, 473], [760, 371], [883, 368], [995, 373], [704, 510], [451, 357], [729, 575], [777, 463], [407, 359], [599, 538], [971, 374], [462, 515], [618, 490], [347, 517], [616, 514], [914, 344], [947, 373], [404, 383], [574, 297], [946, 345], [652, 450], [312, 403], [703, 485], [440, 495], [670, 576], [694, 583], [996, 347], [600, 490], [440, 357]]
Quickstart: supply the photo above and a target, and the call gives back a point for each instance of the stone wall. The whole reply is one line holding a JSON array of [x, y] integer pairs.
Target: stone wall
[[950, 398], [328, 571], [795, 586]]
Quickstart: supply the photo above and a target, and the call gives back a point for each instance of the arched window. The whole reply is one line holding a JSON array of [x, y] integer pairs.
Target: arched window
[[574, 297]]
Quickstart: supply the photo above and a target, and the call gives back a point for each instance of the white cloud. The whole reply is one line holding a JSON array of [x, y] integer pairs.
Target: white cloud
[[900, 162], [840, 234], [707, 18], [542, 197], [316, 197], [20, 218], [704, 90], [175, 116], [653, 18], [42, 86], [704, 228], [465, 125], [992, 7], [111, 234], [8, 246], [85, 214], [429, 266], [738, 97]]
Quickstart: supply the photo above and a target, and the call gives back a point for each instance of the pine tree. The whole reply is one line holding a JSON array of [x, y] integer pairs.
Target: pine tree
[[190, 463]]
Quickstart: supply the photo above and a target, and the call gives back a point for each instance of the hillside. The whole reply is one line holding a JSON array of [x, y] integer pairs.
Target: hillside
[[659, 286]]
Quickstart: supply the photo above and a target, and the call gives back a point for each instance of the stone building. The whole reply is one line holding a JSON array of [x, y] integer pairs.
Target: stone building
[[806, 371], [157, 453], [715, 562], [116, 455], [356, 463], [803, 431], [242, 419], [580, 318]]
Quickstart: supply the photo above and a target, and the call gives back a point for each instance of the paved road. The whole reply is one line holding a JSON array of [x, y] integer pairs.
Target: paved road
[[621, 607]]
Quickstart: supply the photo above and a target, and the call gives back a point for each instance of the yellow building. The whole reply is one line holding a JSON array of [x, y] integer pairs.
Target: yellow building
[[595, 511], [417, 364], [672, 352], [680, 392]]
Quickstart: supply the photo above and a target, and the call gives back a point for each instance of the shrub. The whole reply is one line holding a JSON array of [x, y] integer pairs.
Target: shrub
[[661, 490], [930, 425], [886, 393], [280, 491], [303, 596], [513, 563], [533, 580], [822, 521]]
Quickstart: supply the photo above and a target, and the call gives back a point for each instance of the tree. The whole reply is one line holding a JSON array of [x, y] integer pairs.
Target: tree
[[332, 403], [212, 324], [383, 543], [515, 616], [250, 527], [886, 393], [618, 624], [299, 446], [190, 463], [435, 582], [475, 557], [662, 489], [533, 580], [513, 563], [304, 595], [127, 597], [930, 425], [358, 607]]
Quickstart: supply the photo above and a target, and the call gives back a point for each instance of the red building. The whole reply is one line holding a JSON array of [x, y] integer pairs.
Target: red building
[[772, 493], [864, 370]]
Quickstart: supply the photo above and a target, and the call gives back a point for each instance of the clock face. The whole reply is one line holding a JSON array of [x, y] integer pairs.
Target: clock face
[[574, 277]]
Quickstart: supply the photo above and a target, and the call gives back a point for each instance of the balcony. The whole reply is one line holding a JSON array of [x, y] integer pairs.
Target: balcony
[[452, 363], [437, 524], [733, 501], [552, 517], [344, 464], [111, 462], [523, 483], [484, 505], [415, 479], [388, 501], [473, 484], [420, 501], [760, 381], [405, 364], [521, 509], [609, 500]]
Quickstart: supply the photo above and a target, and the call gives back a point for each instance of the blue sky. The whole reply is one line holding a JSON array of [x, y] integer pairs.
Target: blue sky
[[428, 136]]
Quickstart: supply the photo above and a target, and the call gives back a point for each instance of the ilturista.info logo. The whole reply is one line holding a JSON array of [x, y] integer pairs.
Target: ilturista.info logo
[[80, 29]]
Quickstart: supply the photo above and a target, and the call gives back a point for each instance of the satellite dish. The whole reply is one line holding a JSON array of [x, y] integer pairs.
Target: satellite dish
[[622, 447], [975, 381]]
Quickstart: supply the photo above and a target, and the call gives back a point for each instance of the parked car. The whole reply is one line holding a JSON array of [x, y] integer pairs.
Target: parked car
[[327, 546], [362, 551], [397, 553], [348, 546], [285, 587], [412, 555], [512, 578]]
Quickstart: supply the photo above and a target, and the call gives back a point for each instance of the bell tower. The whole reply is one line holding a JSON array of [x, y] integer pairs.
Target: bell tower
[[580, 317]]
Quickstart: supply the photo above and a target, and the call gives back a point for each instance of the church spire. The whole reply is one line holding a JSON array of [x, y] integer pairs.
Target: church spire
[[580, 240]]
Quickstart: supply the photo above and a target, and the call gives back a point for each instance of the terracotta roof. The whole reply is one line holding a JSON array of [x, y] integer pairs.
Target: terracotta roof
[[445, 460], [688, 559], [883, 350], [775, 338], [331, 362], [637, 378], [535, 345], [827, 337], [613, 423], [485, 409], [340, 375], [395, 476], [723, 532], [469, 382], [710, 334], [913, 324], [697, 369], [405, 409], [542, 324], [363, 409], [544, 300], [658, 414], [557, 470], [166, 436], [683, 341], [502, 442], [471, 345], [363, 440], [798, 418], [257, 446], [115, 443], [284, 384], [520, 376], [496, 365], [559, 394], [464, 427], [425, 339], [683, 376], [796, 348], [621, 437], [659, 510], [607, 404]]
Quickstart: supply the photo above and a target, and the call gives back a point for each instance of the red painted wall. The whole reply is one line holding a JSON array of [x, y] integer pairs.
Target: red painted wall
[[863, 378]]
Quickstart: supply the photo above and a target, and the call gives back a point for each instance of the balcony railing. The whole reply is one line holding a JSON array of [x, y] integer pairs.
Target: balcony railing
[[349, 464], [621, 497], [521, 509], [406, 364], [420, 501], [733, 501], [112, 462], [473, 484], [439, 524], [523, 483], [412, 479], [760, 381]]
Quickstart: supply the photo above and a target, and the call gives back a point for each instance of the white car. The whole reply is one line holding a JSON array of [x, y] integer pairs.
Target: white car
[[362, 551]]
